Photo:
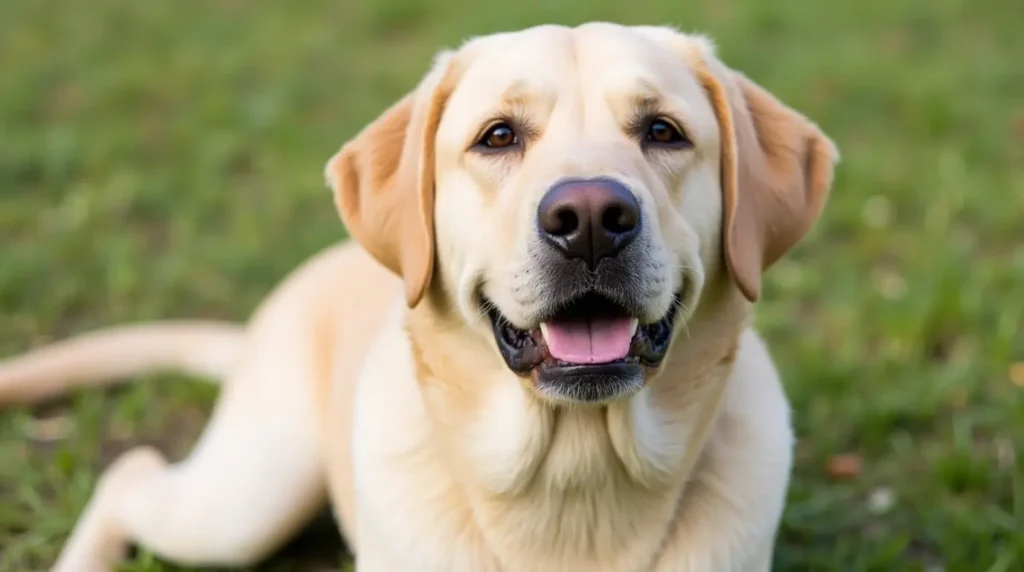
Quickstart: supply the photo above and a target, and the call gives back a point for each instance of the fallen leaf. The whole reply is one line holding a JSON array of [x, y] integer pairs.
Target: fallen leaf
[[845, 466], [1017, 373]]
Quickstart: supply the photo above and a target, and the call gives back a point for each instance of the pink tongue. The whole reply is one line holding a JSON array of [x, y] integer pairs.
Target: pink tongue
[[589, 341]]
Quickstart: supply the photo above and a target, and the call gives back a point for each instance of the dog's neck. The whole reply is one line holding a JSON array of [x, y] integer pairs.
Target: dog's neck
[[516, 457]]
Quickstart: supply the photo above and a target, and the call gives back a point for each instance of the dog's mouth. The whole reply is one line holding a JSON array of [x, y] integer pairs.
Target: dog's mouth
[[592, 349]]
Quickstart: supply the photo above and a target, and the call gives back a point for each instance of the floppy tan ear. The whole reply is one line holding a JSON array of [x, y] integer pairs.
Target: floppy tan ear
[[776, 173], [383, 182]]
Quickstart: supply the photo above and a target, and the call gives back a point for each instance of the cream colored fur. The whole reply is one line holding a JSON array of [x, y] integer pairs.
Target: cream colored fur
[[372, 381]]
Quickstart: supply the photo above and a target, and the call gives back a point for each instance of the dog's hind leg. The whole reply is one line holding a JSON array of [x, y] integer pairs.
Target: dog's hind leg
[[253, 479]]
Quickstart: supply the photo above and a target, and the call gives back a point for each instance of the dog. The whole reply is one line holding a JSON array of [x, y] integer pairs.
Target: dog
[[536, 354]]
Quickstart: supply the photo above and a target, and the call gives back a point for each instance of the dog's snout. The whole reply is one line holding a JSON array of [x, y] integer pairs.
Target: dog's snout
[[589, 219]]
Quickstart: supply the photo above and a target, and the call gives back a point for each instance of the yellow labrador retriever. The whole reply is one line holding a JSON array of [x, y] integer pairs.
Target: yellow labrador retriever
[[537, 358]]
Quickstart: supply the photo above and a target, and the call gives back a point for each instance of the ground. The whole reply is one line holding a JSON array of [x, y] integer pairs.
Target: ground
[[164, 159]]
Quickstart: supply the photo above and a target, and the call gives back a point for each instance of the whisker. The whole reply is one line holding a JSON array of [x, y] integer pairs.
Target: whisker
[[485, 309], [684, 314]]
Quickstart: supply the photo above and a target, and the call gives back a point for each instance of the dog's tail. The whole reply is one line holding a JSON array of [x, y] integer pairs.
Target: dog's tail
[[102, 357]]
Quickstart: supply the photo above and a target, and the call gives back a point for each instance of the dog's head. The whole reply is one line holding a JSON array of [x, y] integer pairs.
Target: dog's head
[[568, 193]]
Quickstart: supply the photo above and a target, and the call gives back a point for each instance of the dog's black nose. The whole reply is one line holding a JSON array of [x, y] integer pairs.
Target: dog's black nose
[[589, 219]]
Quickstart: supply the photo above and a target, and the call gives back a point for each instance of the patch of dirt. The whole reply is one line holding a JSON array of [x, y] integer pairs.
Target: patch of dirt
[[175, 438]]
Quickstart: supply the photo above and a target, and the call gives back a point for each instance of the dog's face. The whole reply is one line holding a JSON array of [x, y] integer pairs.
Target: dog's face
[[577, 187], [577, 205]]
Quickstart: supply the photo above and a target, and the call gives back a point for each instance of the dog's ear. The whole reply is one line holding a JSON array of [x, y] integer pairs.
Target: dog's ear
[[776, 165], [383, 181], [776, 174]]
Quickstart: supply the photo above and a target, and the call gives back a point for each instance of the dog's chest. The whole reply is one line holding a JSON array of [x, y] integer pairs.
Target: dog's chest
[[519, 486], [581, 511]]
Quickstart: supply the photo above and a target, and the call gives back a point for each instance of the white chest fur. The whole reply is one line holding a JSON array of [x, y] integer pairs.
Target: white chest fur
[[560, 488]]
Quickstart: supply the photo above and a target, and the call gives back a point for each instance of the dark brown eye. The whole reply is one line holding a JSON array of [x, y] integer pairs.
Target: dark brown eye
[[498, 136], [661, 132]]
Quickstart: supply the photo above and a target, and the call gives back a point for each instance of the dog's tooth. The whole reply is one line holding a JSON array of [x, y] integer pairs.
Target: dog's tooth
[[544, 331], [635, 324]]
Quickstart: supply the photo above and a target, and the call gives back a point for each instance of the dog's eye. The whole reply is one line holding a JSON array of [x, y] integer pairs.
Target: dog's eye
[[498, 136], [662, 132]]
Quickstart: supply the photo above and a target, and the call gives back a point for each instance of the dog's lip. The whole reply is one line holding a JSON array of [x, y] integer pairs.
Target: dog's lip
[[593, 383], [525, 350]]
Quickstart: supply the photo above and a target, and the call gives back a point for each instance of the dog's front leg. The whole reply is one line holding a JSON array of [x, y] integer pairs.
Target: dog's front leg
[[729, 514]]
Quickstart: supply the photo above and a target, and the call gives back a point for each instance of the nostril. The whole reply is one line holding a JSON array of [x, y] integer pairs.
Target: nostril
[[568, 222], [618, 219]]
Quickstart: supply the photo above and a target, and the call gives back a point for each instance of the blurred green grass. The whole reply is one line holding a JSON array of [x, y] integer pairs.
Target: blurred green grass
[[164, 159]]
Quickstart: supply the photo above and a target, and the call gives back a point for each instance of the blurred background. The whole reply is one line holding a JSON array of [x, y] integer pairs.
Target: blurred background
[[164, 159]]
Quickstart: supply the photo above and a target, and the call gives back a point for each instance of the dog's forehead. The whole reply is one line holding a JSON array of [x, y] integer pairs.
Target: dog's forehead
[[532, 61], [549, 61]]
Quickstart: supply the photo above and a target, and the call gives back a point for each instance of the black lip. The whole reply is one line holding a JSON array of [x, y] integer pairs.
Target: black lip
[[521, 349], [525, 352], [590, 383]]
